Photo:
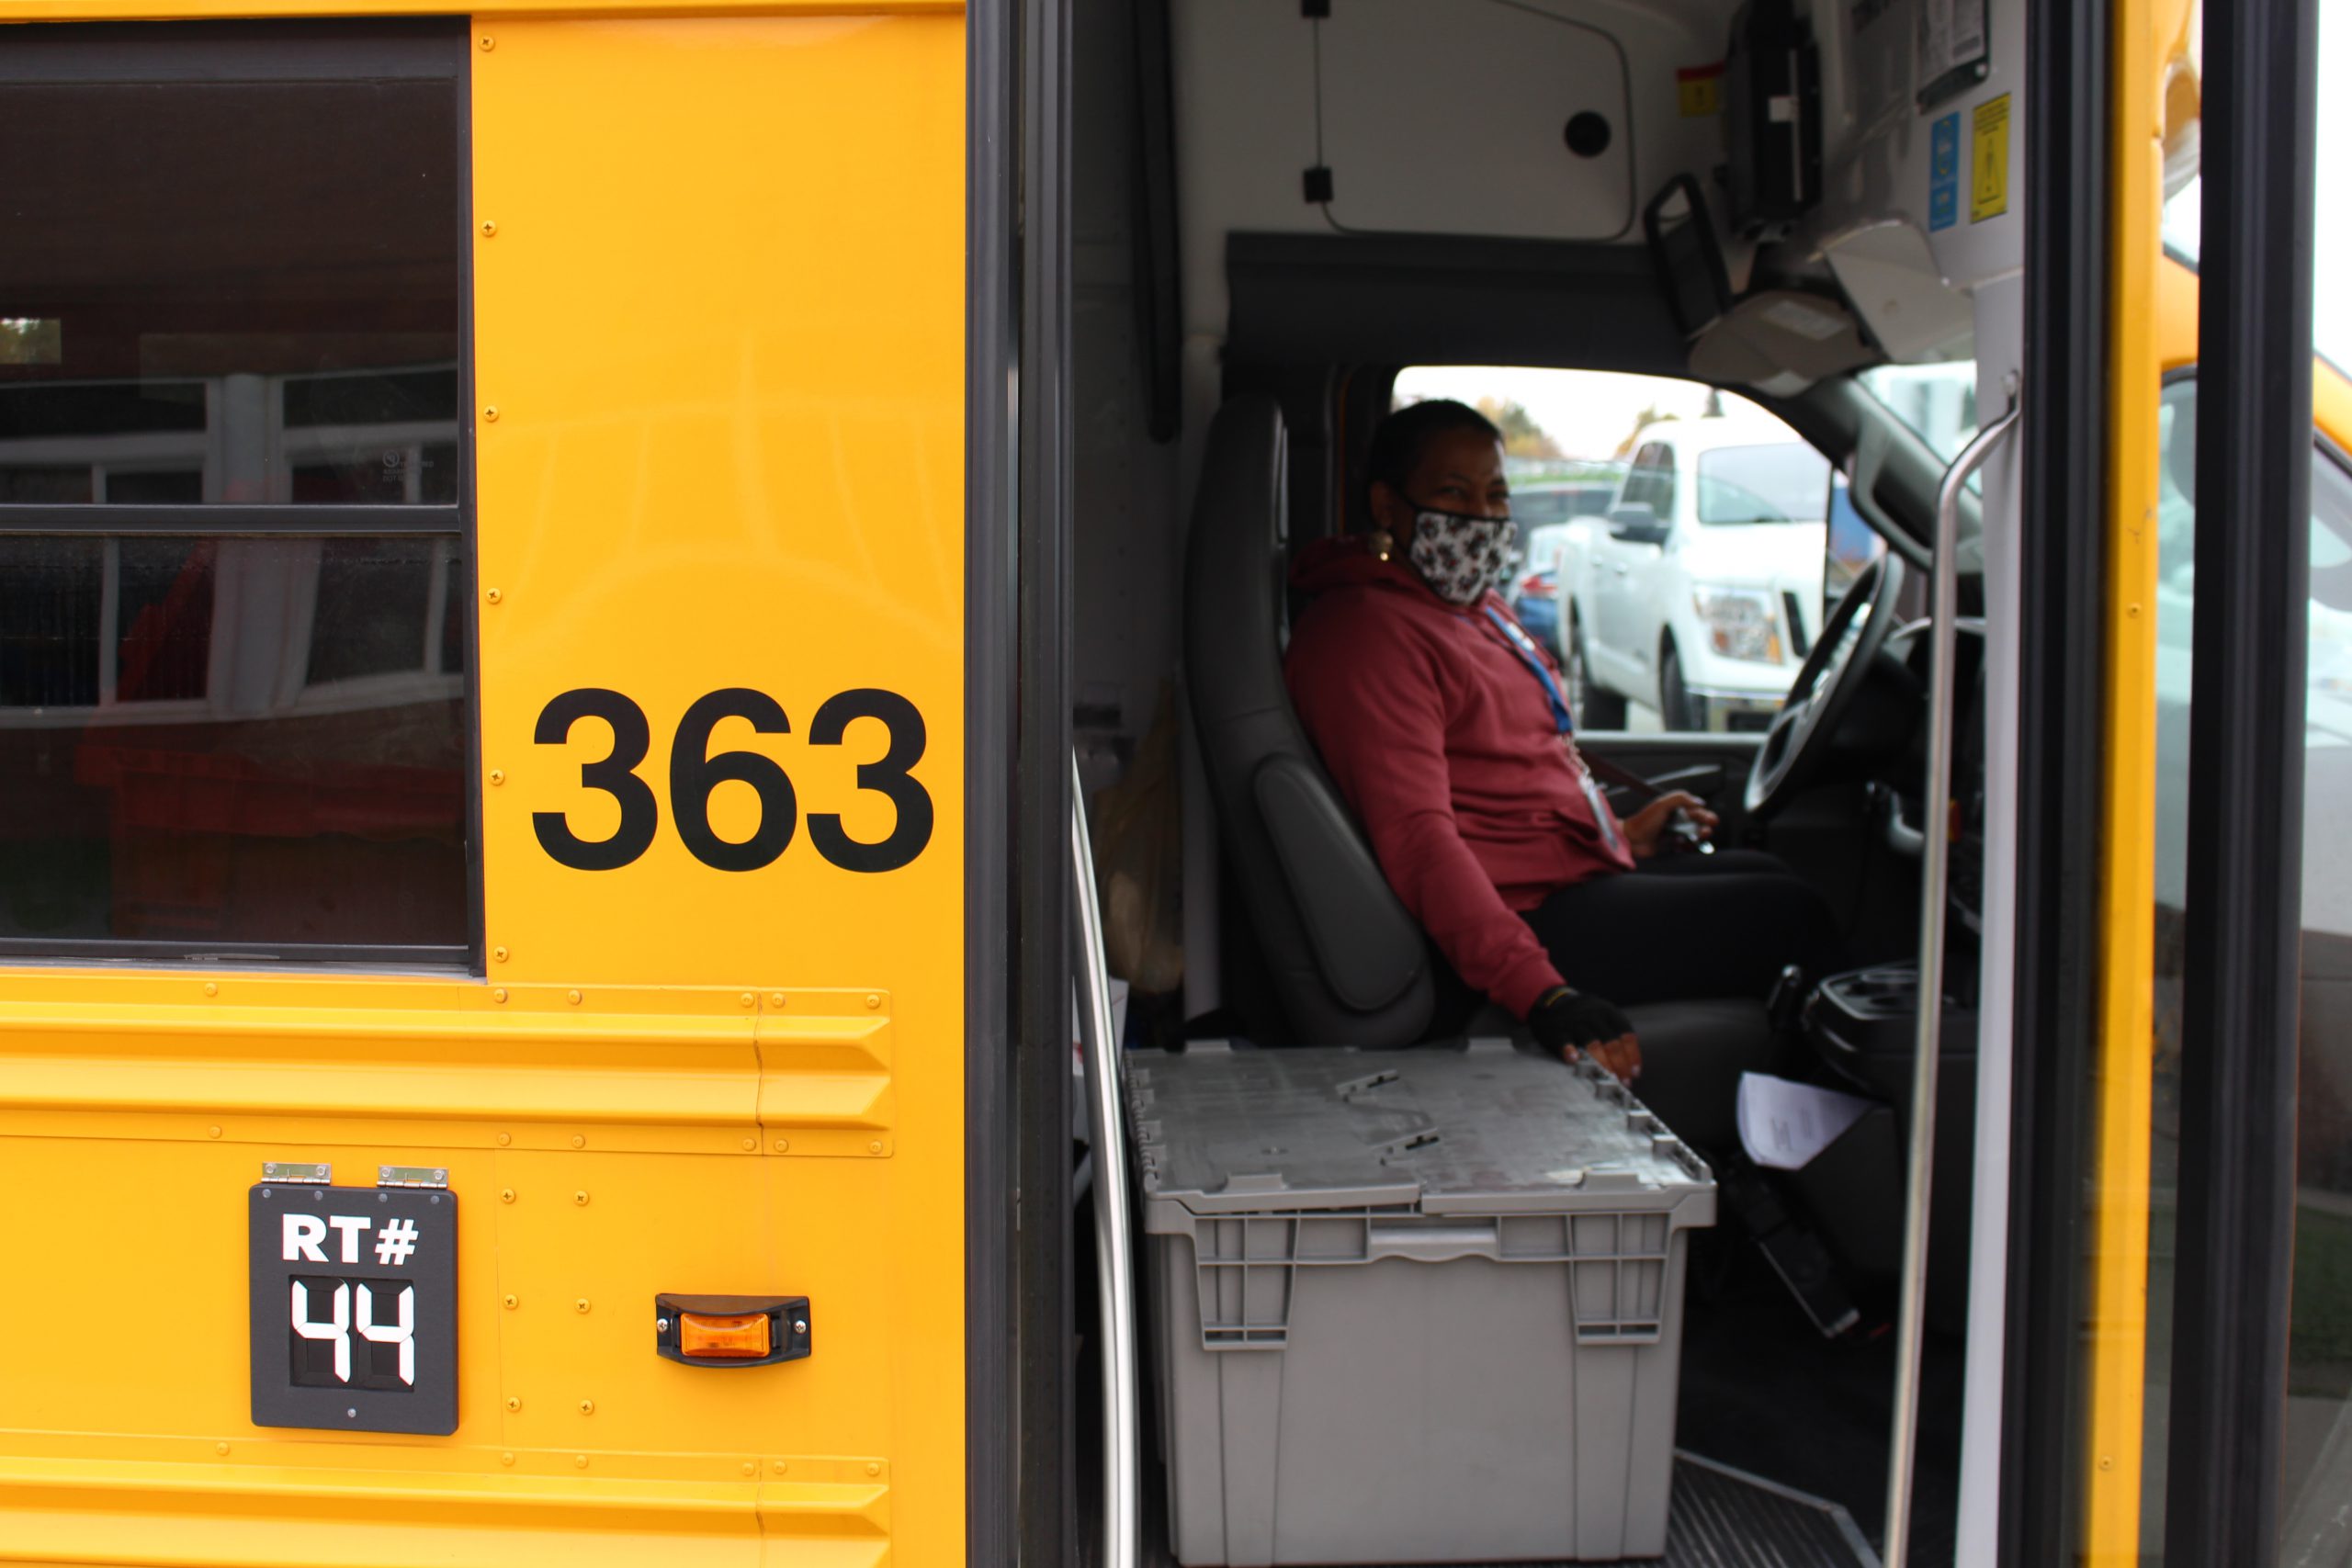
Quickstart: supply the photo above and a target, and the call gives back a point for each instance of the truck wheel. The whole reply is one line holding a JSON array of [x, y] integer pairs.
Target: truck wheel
[[1591, 707], [1678, 708]]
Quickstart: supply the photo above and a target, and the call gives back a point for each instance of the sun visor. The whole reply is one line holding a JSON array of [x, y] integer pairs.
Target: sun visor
[[1779, 341], [1889, 271]]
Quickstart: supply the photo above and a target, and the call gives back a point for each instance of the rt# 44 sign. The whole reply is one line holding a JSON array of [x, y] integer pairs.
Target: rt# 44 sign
[[354, 1308]]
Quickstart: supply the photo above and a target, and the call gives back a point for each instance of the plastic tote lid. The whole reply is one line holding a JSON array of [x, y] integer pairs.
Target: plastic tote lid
[[1483, 1128]]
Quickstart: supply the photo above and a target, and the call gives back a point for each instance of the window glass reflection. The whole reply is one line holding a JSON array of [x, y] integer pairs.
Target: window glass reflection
[[2319, 1387], [239, 292], [214, 740]]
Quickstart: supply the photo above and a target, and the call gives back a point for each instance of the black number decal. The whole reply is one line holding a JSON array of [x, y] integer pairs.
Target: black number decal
[[890, 776], [616, 775], [693, 774]]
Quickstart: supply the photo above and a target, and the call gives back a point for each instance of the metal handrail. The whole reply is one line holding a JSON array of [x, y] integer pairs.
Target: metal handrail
[[1927, 1040], [1121, 1431]]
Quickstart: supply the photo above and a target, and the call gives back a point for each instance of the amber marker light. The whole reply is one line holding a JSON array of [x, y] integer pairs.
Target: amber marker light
[[730, 1331], [742, 1336]]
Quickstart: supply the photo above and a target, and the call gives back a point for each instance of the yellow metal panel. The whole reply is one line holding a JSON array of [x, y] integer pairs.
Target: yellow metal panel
[[209, 10], [2118, 1263], [722, 318], [2332, 403]]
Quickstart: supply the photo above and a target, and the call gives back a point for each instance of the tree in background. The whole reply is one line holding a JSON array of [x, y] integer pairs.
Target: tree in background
[[1641, 420], [1523, 437], [30, 340]]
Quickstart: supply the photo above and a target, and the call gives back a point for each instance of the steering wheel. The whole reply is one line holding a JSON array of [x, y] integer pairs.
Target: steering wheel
[[1824, 688]]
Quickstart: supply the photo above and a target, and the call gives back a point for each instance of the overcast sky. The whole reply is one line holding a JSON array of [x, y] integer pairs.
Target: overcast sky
[[1586, 411]]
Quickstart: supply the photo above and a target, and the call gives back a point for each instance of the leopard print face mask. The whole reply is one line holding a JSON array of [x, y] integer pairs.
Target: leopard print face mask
[[1461, 557]]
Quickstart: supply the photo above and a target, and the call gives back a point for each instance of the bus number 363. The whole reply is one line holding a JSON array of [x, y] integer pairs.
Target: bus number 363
[[695, 773]]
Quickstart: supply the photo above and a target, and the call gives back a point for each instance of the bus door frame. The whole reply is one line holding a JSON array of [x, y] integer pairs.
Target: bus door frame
[[2234, 1245], [1021, 1415], [2241, 984], [2062, 724]]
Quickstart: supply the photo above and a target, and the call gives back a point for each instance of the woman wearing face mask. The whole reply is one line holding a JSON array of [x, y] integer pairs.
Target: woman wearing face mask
[[1447, 729]]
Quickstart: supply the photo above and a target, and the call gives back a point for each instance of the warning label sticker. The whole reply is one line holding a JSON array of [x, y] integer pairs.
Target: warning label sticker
[[1988, 194], [1943, 172], [1699, 90]]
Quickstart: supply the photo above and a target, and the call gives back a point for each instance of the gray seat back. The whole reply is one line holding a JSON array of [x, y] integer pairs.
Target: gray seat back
[[1349, 965]]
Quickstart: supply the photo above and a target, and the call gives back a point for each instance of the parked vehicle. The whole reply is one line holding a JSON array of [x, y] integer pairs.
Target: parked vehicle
[[1535, 599], [1697, 594], [1544, 503]]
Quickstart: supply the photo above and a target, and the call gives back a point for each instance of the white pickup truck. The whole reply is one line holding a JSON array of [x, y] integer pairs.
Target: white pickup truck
[[1697, 593]]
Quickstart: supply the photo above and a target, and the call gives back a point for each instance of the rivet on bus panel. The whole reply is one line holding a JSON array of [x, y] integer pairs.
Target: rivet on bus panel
[[749, 1468], [489, 227], [506, 1458], [587, 1407], [211, 990], [748, 998], [499, 953], [751, 1143], [783, 1145], [579, 1305], [580, 1462], [494, 595], [491, 414], [579, 1141], [504, 1138], [505, 1194], [220, 1449], [872, 1468], [875, 1148], [514, 1403], [499, 995], [572, 996], [511, 1303], [212, 1132], [775, 999], [488, 43], [874, 1001], [580, 1197], [497, 776]]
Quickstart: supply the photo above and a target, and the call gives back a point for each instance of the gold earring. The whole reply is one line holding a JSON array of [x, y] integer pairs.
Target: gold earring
[[1380, 544]]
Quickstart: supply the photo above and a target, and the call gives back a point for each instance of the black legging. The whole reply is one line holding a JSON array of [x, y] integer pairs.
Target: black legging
[[1684, 927]]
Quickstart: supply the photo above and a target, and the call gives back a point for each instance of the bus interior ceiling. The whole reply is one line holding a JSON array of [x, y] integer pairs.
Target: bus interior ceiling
[[1303, 199]]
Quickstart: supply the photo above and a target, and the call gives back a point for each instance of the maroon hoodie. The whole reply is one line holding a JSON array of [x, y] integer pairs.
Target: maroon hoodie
[[1443, 741]]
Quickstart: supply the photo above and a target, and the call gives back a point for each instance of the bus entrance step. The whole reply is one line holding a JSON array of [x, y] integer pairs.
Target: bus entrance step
[[1723, 1517]]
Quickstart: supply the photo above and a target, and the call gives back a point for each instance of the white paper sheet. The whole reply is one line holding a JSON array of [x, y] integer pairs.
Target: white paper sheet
[[1783, 1124]]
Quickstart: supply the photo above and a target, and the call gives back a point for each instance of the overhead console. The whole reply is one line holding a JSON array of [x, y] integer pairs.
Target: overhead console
[[1494, 119]]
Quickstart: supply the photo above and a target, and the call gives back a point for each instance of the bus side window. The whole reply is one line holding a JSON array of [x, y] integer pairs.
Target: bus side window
[[234, 584]]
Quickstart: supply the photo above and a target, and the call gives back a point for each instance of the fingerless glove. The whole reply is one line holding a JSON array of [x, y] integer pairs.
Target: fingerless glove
[[1563, 1017]]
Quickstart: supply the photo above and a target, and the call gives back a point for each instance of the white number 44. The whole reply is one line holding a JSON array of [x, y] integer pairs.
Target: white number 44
[[341, 1323]]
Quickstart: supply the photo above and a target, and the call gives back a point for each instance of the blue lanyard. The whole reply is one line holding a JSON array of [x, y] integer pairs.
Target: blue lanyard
[[1524, 646]]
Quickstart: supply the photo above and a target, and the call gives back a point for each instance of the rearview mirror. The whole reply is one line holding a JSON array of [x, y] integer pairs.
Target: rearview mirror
[[1637, 523]]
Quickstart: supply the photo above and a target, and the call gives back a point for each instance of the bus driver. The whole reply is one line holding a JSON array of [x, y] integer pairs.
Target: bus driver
[[1447, 729]]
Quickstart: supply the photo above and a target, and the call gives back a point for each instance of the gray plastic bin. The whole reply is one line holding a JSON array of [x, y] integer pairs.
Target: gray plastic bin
[[1411, 1306]]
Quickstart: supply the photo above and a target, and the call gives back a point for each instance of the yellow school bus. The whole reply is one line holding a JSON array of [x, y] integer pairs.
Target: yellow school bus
[[638, 642]]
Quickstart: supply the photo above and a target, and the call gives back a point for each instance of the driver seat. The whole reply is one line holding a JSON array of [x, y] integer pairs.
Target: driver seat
[[1348, 964]]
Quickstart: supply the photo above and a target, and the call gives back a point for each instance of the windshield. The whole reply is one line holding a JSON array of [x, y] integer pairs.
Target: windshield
[[1784, 482]]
